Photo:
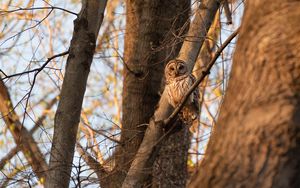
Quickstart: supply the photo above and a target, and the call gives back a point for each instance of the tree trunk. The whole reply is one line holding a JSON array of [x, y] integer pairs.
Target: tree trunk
[[256, 142], [170, 167], [86, 28], [149, 44]]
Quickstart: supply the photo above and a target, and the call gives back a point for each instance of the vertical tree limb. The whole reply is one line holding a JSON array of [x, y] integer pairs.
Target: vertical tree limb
[[196, 35], [86, 28]]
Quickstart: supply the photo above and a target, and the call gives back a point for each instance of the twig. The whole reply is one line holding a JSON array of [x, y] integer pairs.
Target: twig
[[37, 8], [3, 72], [36, 69], [22, 137], [38, 23], [92, 162], [40, 120], [108, 137]]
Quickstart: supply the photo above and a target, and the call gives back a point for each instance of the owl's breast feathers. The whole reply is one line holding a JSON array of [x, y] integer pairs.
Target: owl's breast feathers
[[177, 88]]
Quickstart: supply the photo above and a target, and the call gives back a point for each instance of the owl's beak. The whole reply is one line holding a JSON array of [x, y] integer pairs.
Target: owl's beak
[[176, 72]]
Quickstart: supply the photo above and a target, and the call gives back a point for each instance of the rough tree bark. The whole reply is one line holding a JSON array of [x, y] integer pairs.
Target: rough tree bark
[[170, 166], [256, 142], [149, 44], [86, 28]]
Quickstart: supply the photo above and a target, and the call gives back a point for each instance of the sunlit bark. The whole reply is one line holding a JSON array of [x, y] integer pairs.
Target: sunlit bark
[[256, 140]]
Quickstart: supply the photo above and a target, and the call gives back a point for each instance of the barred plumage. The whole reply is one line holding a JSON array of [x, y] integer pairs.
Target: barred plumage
[[178, 81]]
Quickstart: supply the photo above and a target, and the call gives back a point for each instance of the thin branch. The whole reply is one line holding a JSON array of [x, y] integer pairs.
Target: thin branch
[[34, 80], [37, 8], [37, 70], [92, 162], [104, 135], [11, 177], [44, 115], [38, 23], [3, 72]]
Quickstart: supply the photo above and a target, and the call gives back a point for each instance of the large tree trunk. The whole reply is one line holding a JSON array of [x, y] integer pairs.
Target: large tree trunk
[[256, 142], [86, 28], [149, 44]]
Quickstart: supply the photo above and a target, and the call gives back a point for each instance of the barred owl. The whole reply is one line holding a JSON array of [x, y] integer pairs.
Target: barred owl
[[178, 82]]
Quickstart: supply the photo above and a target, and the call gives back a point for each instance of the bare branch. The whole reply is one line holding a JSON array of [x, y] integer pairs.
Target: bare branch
[[36, 70], [104, 135], [2, 12], [21, 135], [11, 177], [8, 156], [16, 149], [43, 116], [35, 25], [92, 162]]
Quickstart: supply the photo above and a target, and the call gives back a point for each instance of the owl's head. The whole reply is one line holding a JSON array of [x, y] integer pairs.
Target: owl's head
[[175, 68]]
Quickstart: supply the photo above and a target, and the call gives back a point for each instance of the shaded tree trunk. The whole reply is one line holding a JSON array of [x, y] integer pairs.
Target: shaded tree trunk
[[86, 28], [256, 142], [170, 167], [149, 44]]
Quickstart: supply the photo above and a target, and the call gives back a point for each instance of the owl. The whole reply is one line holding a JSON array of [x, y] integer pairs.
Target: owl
[[178, 81]]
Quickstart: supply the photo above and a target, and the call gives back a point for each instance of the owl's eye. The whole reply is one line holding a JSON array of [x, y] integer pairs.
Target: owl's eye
[[181, 67], [172, 68]]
